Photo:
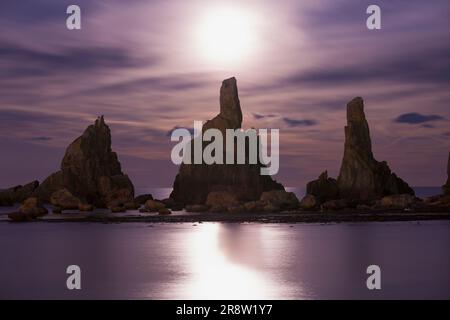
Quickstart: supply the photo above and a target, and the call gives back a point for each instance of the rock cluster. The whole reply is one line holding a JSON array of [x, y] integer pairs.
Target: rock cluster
[[362, 179], [227, 202], [17, 194], [30, 209], [195, 181], [90, 172]]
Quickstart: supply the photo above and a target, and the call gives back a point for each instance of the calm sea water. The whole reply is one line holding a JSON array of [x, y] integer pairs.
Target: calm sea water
[[226, 261]]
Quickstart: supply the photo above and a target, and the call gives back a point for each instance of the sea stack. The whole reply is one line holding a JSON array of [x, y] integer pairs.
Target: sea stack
[[195, 181], [446, 187], [361, 176], [91, 171]]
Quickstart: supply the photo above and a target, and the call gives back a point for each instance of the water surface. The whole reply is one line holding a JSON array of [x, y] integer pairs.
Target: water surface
[[226, 261]]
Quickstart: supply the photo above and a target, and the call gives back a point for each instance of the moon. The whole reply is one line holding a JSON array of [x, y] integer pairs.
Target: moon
[[226, 36]]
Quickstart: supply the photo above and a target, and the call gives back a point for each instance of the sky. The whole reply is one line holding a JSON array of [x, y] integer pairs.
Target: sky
[[150, 66]]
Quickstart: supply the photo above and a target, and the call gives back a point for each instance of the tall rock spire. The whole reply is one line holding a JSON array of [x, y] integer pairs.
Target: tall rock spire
[[361, 176], [195, 181]]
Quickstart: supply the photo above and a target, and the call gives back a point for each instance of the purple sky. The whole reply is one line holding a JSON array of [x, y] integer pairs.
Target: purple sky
[[140, 63]]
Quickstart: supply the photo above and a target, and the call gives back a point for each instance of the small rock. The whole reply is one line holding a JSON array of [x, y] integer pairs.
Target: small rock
[[118, 209], [281, 199], [142, 199], [323, 189], [85, 207], [169, 202], [308, 202], [217, 209], [221, 198], [64, 199], [254, 206], [271, 208], [335, 204], [164, 212], [400, 201], [154, 206], [57, 210], [236, 209], [30, 209], [131, 205]]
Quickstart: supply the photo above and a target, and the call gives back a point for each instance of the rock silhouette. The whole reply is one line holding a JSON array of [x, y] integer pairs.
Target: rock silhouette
[[17, 194], [446, 186], [91, 171], [195, 181], [361, 176], [324, 188]]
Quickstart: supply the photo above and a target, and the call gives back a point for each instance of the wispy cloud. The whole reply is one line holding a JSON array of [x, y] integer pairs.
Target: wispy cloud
[[299, 122], [415, 118]]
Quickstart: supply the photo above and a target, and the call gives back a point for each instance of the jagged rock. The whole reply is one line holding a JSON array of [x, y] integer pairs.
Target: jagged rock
[[17, 194], [362, 177], [309, 202], [143, 198], [154, 206], [195, 181], [398, 201], [64, 200], [91, 171], [30, 209], [280, 199], [446, 187], [324, 188]]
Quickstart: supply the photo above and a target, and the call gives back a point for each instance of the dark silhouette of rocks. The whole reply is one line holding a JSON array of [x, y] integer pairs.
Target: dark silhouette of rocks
[[446, 187], [324, 188], [195, 181], [90, 171], [361, 176], [31, 208], [362, 179], [17, 194]]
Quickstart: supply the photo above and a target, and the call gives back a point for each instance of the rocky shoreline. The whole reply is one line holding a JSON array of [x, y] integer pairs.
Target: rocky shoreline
[[90, 177], [257, 217]]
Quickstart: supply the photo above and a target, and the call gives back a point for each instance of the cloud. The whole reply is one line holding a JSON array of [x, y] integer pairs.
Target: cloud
[[416, 118], [20, 61], [299, 123], [42, 138], [259, 116]]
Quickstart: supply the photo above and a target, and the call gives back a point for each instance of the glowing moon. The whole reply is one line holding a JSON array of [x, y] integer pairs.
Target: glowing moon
[[226, 35]]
